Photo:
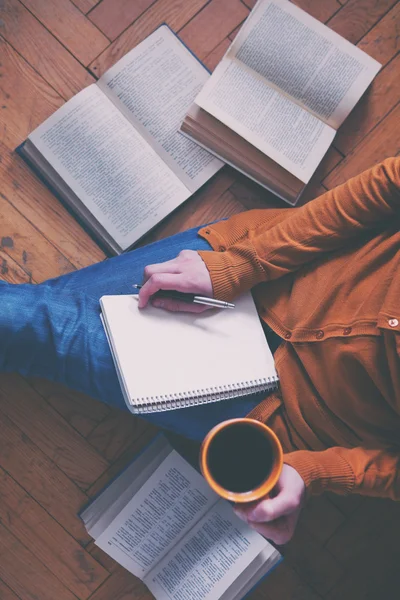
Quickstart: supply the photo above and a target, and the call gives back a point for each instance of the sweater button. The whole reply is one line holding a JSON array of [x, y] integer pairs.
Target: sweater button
[[393, 322], [319, 335], [347, 330], [288, 335], [222, 248]]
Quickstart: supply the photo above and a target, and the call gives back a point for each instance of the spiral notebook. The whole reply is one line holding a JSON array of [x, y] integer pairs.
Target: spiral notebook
[[167, 360]]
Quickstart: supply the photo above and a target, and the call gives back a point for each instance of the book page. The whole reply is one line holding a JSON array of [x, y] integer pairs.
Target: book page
[[171, 501], [154, 85], [305, 59], [109, 166], [283, 130], [209, 558]]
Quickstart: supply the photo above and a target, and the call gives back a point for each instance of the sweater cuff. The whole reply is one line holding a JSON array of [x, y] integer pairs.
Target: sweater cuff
[[232, 272], [325, 471]]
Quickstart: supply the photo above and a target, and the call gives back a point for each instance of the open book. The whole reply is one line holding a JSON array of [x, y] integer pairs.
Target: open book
[[113, 153], [167, 360], [162, 522], [273, 105]]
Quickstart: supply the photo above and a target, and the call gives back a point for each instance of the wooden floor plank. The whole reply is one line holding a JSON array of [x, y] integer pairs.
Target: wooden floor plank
[[28, 247], [212, 25], [25, 574], [48, 541], [136, 445], [214, 57], [121, 585], [26, 192], [383, 41], [71, 27], [85, 5], [322, 518], [115, 433], [26, 100], [113, 16], [284, 584], [10, 270], [6, 593], [41, 478], [82, 412], [75, 456], [176, 13], [317, 566], [377, 102], [357, 17], [41, 50], [382, 142]]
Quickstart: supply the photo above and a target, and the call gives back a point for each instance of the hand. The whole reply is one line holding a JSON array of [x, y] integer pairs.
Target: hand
[[185, 273], [276, 518]]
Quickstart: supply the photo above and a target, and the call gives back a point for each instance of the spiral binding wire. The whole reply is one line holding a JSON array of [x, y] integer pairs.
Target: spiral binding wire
[[203, 396]]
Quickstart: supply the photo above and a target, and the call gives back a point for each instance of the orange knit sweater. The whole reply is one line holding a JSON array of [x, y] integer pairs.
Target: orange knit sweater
[[326, 278]]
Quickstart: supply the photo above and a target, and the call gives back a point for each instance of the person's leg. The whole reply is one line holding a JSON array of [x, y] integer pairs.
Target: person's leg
[[53, 330]]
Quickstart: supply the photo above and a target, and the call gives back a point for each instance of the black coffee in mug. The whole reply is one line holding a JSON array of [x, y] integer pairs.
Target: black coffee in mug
[[240, 457]]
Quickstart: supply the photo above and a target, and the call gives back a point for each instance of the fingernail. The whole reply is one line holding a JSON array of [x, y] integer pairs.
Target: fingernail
[[158, 303]]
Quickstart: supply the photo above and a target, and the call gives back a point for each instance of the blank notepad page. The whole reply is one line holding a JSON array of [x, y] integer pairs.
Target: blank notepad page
[[169, 360]]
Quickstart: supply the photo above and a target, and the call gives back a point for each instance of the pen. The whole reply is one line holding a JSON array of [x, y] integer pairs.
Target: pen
[[190, 298]]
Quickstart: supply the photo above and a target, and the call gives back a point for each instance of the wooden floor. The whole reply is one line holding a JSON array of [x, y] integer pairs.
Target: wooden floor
[[57, 449]]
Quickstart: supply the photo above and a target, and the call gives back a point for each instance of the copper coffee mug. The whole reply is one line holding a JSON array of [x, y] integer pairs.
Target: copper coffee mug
[[241, 459]]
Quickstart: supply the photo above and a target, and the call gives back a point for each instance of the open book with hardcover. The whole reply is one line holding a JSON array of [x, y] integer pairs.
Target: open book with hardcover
[[161, 521], [114, 154], [272, 106], [166, 360]]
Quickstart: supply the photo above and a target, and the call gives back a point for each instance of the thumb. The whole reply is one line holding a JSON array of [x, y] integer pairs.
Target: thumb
[[271, 508]]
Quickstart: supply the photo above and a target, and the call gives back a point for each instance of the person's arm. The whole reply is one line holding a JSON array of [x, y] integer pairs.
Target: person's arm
[[264, 251], [370, 472]]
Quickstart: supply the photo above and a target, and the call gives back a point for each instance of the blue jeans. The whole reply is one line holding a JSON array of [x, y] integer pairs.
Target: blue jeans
[[53, 330]]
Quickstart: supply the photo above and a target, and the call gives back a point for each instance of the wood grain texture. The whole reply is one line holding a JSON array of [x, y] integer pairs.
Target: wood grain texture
[[214, 57], [28, 195], [26, 100], [41, 478], [47, 540], [41, 50], [113, 16], [382, 142], [212, 25], [85, 5], [115, 433], [176, 13], [70, 26], [284, 583], [383, 41], [74, 455], [82, 412], [35, 580], [28, 247], [357, 17]]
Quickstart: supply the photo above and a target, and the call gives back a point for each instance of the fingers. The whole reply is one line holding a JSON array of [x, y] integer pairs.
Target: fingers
[[169, 266], [280, 531], [177, 306], [269, 509], [160, 281]]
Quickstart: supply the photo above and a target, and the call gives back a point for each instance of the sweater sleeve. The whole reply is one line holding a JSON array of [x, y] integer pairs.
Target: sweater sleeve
[[267, 249], [371, 472]]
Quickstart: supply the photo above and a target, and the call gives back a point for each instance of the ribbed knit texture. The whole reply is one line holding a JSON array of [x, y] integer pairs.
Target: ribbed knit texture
[[327, 279]]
